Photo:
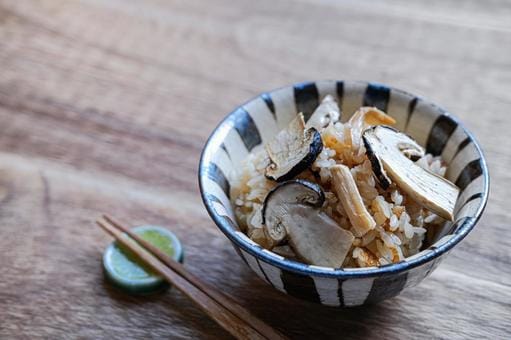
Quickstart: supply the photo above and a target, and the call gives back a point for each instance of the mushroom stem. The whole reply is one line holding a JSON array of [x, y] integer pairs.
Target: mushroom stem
[[429, 190], [316, 238], [347, 191]]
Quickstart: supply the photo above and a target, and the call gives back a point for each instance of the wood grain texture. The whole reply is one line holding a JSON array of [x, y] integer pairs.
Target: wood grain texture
[[105, 106]]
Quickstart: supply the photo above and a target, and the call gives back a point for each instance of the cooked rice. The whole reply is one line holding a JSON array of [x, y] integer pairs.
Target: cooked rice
[[401, 224]]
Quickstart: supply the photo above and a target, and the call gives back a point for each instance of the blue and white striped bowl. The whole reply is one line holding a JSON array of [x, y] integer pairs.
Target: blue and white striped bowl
[[258, 120]]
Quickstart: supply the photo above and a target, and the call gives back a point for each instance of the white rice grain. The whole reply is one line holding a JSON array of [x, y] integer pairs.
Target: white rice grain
[[393, 223], [396, 197]]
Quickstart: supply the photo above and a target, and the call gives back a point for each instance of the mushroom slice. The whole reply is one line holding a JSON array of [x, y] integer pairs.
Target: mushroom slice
[[388, 149], [259, 236], [279, 200], [365, 117], [347, 192], [327, 112], [404, 143], [291, 211], [284, 250], [316, 238], [292, 150]]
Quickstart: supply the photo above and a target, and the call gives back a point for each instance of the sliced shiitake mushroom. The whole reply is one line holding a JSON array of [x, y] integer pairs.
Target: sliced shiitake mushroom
[[281, 198], [292, 150], [291, 212], [389, 151]]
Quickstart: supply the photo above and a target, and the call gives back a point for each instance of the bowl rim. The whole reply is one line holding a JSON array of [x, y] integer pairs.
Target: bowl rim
[[339, 273]]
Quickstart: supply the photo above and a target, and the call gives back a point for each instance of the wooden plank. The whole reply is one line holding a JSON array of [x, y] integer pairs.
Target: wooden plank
[[105, 106]]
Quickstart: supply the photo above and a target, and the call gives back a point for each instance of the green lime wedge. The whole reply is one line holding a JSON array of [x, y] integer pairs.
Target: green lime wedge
[[125, 270]]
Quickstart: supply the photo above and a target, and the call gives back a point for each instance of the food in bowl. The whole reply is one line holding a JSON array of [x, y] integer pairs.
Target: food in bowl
[[342, 194]]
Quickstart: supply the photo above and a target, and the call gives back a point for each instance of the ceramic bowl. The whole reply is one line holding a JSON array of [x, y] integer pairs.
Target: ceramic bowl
[[259, 119]]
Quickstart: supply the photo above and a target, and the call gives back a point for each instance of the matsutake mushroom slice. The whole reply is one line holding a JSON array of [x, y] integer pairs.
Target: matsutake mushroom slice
[[281, 198], [407, 146], [349, 196], [388, 149], [365, 117], [284, 250], [292, 150], [292, 212], [326, 113], [316, 238]]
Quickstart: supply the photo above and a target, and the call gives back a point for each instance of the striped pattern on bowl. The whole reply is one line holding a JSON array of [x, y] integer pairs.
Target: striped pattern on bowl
[[258, 120]]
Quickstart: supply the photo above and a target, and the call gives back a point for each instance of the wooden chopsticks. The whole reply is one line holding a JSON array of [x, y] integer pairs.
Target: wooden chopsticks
[[224, 310]]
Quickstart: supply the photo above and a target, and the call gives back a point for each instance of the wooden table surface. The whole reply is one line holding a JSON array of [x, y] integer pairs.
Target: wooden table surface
[[105, 106]]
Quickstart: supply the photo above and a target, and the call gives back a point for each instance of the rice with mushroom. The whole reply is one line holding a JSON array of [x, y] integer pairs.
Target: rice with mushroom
[[401, 223]]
